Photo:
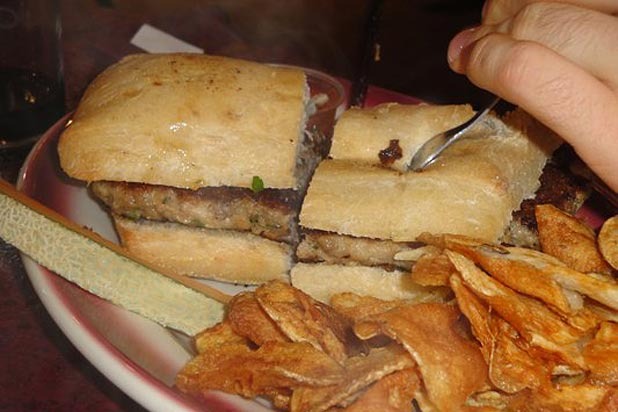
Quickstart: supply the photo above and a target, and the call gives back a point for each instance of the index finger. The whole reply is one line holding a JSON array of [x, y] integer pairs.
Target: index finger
[[560, 94], [496, 11]]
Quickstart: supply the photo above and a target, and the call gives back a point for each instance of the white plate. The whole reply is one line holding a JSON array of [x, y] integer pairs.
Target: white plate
[[140, 357], [137, 355]]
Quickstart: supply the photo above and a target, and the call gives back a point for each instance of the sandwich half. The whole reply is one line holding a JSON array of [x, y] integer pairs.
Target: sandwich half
[[202, 161], [363, 207]]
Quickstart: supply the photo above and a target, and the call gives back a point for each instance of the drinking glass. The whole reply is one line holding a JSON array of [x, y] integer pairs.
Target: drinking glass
[[31, 74]]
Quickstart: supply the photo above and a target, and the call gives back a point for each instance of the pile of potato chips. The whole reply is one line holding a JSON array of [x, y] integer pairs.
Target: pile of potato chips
[[526, 330]]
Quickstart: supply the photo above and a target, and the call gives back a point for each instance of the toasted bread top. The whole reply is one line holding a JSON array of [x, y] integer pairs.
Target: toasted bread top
[[188, 120], [472, 189]]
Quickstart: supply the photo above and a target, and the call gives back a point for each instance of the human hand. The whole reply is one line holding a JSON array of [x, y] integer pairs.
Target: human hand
[[556, 60]]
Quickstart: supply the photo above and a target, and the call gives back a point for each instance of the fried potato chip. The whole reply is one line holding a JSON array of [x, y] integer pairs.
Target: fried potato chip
[[248, 319], [566, 398], [602, 312], [569, 239], [432, 270], [279, 397], [304, 319], [523, 270], [511, 368], [368, 330], [585, 320], [600, 287], [563, 374], [608, 241], [601, 355], [238, 369], [393, 393], [450, 241], [357, 307], [603, 289], [360, 372], [451, 366], [416, 253], [217, 337], [489, 400], [534, 321], [477, 314]]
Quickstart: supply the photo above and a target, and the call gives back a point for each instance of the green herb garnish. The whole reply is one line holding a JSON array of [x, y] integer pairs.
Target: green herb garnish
[[257, 184]]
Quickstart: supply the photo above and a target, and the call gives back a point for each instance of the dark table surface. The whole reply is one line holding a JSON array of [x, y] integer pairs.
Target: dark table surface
[[40, 369]]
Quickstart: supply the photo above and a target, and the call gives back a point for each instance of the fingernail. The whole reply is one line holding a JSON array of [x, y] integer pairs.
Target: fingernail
[[461, 41]]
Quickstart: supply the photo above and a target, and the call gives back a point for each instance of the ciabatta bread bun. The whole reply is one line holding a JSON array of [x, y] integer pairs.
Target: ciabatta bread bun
[[472, 189], [226, 255], [321, 281], [202, 160], [189, 121], [362, 133]]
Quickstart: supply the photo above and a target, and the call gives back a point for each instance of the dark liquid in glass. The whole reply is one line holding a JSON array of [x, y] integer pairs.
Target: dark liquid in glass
[[30, 103]]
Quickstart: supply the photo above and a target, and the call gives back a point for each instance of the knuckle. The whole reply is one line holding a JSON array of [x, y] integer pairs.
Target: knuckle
[[518, 74], [513, 70], [549, 23], [504, 68], [530, 19], [515, 67]]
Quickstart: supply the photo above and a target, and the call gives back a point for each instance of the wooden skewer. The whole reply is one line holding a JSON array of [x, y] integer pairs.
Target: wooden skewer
[[9, 190]]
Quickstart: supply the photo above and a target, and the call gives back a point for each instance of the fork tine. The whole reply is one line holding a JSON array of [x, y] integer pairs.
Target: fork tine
[[432, 148]]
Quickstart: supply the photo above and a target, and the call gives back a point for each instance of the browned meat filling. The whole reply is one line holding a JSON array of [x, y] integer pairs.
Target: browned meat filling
[[269, 213], [391, 153], [560, 188], [333, 248]]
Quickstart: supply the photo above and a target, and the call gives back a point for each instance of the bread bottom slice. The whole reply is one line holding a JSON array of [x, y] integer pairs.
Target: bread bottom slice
[[321, 281], [226, 255]]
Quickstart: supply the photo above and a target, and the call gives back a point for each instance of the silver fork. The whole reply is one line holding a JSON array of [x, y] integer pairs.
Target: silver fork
[[432, 148]]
